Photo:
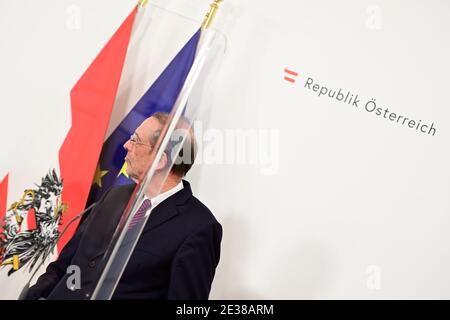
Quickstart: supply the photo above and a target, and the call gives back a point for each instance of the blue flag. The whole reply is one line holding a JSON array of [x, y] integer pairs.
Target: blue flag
[[161, 96]]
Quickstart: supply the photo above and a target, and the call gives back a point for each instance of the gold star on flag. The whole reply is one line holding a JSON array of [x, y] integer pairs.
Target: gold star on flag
[[123, 170], [99, 173]]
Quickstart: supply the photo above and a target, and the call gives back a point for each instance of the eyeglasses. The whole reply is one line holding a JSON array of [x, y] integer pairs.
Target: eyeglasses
[[135, 140]]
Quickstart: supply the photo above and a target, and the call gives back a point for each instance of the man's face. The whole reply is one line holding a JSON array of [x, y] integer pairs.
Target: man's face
[[139, 149]]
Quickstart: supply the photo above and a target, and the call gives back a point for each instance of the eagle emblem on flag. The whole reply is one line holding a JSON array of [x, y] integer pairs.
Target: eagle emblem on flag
[[42, 209]]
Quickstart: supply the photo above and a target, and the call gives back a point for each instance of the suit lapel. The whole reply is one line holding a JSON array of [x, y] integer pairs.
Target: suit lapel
[[169, 208], [162, 213]]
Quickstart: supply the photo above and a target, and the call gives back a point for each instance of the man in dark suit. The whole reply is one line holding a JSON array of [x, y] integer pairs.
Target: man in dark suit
[[177, 252]]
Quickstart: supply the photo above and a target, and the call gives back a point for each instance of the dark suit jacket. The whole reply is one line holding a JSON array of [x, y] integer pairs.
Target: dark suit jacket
[[175, 257]]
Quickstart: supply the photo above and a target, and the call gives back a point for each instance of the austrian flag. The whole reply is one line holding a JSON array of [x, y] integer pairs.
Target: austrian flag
[[32, 225]]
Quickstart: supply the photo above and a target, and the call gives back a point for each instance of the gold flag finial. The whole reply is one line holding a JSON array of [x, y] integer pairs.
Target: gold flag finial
[[142, 3], [213, 7]]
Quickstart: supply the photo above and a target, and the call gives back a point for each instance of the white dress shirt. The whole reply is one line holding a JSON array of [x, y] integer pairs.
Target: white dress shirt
[[162, 196]]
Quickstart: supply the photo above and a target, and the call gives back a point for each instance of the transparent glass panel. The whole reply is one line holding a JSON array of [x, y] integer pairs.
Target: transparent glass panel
[[190, 104]]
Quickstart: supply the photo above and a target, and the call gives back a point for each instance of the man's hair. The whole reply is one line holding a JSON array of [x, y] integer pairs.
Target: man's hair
[[181, 165]]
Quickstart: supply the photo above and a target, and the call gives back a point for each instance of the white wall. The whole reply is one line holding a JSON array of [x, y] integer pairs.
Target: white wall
[[345, 204]]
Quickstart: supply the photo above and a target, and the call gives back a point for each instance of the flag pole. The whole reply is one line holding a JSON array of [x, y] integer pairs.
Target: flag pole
[[209, 17], [142, 3]]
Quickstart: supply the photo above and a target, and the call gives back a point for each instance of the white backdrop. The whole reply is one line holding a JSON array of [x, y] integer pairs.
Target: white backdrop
[[327, 199]]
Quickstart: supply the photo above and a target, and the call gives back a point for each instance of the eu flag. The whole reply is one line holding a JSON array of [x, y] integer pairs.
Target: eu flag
[[159, 97]]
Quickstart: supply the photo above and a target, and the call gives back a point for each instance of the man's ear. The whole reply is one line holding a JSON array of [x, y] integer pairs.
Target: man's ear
[[162, 162]]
